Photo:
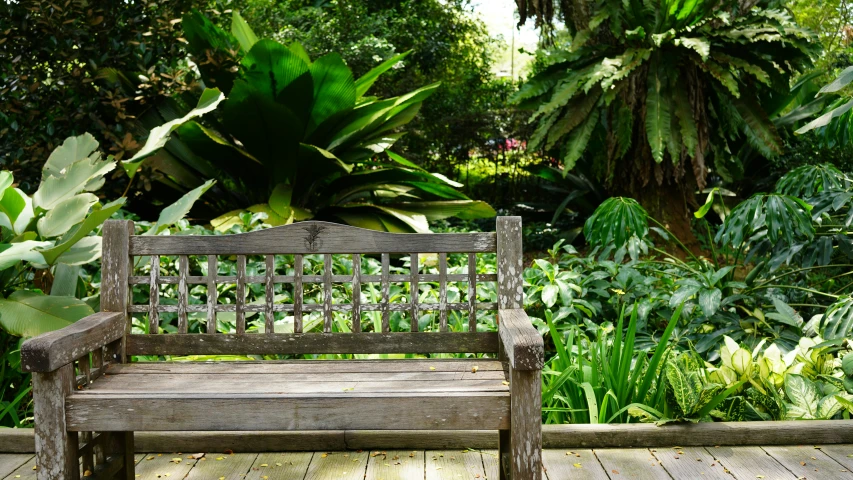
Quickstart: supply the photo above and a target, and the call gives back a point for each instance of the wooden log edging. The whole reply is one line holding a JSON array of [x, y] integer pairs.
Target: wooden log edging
[[806, 432]]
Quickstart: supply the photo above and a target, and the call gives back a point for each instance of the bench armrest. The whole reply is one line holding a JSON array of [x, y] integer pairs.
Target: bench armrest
[[52, 350], [521, 341]]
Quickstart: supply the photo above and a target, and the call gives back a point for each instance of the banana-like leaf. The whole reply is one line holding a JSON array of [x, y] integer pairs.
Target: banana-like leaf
[[826, 118], [12, 253], [6, 181], [242, 31], [158, 136], [85, 251], [280, 200], [97, 217], [178, 210], [843, 79], [16, 210], [65, 279], [28, 314], [72, 150], [378, 217], [76, 177], [363, 84], [65, 215]]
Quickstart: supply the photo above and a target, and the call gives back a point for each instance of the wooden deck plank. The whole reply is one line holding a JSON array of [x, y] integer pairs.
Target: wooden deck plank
[[337, 466], [809, 462], [634, 464], [842, 454], [218, 465], [688, 462], [154, 466], [490, 464], [454, 464], [10, 463], [572, 465], [25, 471], [395, 465], [750, 462], [280, 466]]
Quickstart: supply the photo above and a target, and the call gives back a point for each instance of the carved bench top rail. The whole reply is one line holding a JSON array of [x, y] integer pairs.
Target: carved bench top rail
[[312, 237]]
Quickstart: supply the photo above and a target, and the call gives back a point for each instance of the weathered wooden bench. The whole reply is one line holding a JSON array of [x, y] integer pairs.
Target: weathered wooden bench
[[89, 398]]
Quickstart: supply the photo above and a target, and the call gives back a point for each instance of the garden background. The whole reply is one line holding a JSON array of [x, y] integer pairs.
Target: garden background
[[683, 170]]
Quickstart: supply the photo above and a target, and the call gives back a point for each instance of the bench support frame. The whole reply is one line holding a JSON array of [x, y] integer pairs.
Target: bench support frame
[[100, 339]]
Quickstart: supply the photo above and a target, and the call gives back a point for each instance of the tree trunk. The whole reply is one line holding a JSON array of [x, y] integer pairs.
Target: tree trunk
[[671, 205]]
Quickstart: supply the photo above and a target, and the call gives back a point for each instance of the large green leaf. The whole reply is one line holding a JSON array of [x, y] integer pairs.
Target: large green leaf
[[97, 217], [16, 210], [85, 251], [242, 31], [76, 177], [334, 88], [657, 112], [158, 136], [73, 149], [615, 221], [65, 215], [280, 75], [363, 84], [682, 388], [803, 395], [255, 119], [178, 210], [29, 314], [843, 79], [12, 253]]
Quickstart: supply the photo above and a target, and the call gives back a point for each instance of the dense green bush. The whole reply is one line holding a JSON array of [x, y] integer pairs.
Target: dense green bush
[[298, 138], [72, 67]]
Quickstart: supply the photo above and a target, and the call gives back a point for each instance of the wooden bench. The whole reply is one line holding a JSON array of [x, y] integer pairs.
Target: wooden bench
[[89, 398]]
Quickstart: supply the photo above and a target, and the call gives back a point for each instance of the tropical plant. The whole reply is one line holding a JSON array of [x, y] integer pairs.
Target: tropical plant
[[654, 94], [46, 238], [298, 139], [834, 106], [600, 381]]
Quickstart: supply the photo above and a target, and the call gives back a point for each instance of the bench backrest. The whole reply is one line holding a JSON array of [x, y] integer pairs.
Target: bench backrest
[[132, 280]]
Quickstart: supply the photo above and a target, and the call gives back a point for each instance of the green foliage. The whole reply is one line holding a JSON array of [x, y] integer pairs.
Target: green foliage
[[47, 240], [654, 96], [834, 125], [81, 67], [618, 223], [468, 111], [290, 124]]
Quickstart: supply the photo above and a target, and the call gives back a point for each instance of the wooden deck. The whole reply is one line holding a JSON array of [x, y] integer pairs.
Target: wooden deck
[[770, 463]]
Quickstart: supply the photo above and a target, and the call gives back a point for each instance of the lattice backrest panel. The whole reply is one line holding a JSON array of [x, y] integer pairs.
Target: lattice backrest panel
[[310, 277]]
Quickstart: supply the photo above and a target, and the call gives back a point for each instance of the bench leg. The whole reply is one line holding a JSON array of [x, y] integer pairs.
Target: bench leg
[[123, 442], [56, 447], [521, 445]]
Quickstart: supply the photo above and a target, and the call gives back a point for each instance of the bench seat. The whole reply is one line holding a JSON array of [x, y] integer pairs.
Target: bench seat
[[294, 395]]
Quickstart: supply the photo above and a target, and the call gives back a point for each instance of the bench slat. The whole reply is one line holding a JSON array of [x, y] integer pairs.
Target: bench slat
[[379, 367], [307, 343], [442, 411], [356, 293], [312, 237], [414, 289], [154, 296], [212, 294], [241, 294]]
